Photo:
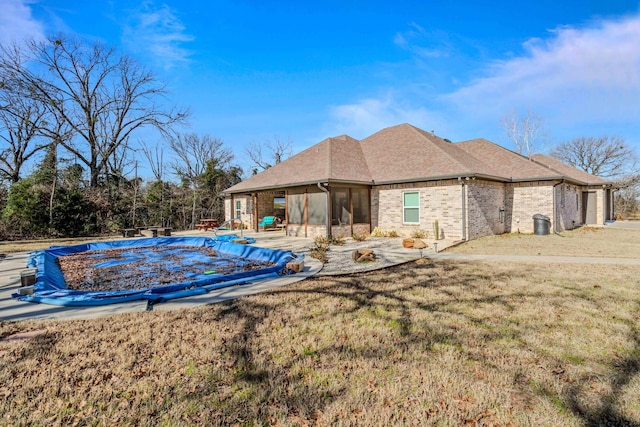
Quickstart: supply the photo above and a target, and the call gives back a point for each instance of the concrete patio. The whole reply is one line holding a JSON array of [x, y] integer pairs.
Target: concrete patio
[[389, 252]]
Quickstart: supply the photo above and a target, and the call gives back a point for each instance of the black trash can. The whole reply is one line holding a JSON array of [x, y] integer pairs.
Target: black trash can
[[541, 225]]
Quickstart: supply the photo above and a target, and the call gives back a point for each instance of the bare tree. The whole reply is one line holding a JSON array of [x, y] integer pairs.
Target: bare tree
[[193, 154], [270, 153], [526, 132], [20, 120], [155, 158], [102, 95], [608, 157]]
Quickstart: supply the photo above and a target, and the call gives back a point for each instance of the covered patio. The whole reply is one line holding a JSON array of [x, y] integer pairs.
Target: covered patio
[[323, 191], [324, 209]]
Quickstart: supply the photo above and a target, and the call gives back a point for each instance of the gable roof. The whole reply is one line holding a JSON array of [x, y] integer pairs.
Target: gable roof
[[404, 153], [568, 171], [507, 163], [336, 159], [420, 156]]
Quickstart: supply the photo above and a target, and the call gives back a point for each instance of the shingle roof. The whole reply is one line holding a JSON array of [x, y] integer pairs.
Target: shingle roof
[[568, 171], [334, 159], [404, 153], [506, 163]]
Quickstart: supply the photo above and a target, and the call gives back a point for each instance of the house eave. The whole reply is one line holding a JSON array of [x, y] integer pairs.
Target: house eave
[[295, 184], [442, 178]]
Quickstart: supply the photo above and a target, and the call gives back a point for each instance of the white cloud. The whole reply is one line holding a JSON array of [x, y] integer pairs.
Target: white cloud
[[416, 38], [368, 116], [577, 76], [159, 33], [16, 22]]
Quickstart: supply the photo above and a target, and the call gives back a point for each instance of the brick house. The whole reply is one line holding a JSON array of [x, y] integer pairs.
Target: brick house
[[403, 178]]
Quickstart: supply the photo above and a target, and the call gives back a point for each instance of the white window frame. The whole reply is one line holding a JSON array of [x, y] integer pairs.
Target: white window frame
[[404, 208], [238, 209]]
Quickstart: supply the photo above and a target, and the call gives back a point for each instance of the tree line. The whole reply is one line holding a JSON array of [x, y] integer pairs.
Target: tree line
[[608, 157], [73, 108]]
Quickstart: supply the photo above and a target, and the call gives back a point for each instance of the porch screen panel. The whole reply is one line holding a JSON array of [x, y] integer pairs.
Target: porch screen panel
[[317, 208], [340, 206], [411, 207], [296, 209], [361, 209]]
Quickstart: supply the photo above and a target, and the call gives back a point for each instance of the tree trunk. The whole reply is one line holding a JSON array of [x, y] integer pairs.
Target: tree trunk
[[193, 211]]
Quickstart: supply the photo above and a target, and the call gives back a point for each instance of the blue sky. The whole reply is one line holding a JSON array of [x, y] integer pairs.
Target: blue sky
[[251, 71]]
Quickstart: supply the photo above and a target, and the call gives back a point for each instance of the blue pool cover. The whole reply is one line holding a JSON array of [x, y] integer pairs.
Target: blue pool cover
[[233, 264]]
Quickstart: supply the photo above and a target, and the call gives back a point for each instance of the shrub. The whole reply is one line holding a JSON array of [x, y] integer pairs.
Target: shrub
[[320, 248], [360, 237], [322, 242], [319, 254], [338, 241], [377, 232], [419, 234]]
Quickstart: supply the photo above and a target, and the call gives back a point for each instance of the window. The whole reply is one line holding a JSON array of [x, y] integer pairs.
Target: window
[[411, 207], [238, 209]]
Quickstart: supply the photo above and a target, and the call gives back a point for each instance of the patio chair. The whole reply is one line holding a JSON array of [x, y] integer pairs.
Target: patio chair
[[268, 222]]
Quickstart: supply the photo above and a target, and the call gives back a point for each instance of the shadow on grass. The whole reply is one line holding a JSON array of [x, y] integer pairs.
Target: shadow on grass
[[280, 390], [267, 393], [607, 414]]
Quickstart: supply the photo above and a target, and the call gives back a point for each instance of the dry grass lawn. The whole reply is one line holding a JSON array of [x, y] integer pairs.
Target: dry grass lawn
[[584, 241], [444, 343]]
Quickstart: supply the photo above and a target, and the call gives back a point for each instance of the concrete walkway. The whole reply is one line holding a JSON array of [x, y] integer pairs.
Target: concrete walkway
[[541, 259], [624, 225]]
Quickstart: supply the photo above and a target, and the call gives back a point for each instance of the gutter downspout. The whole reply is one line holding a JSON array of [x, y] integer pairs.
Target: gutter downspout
[[464, 208], [555, 208], [612, 208], [328, 217]]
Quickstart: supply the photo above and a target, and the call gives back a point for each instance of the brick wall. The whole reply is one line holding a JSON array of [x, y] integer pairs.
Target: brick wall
[[568, 207], [485, 199], [266, 207], [600, 206], [439, 200], [525, 199], [227, 208], [230, 210]]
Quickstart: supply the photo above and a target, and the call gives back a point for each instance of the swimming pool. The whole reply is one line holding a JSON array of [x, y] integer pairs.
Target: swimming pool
[[152, 269]]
